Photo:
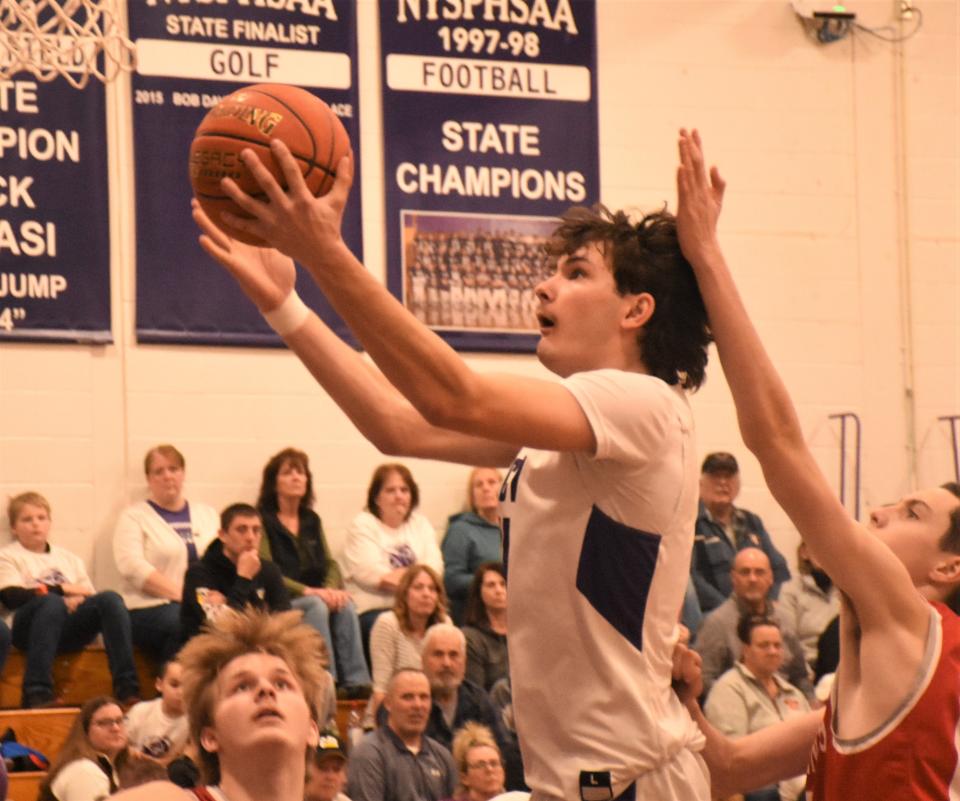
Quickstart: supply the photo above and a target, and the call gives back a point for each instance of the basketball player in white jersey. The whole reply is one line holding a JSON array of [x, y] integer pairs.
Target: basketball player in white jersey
[[600, 499]]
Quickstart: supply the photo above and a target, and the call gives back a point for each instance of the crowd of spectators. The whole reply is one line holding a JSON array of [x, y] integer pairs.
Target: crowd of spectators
[[418, 627]]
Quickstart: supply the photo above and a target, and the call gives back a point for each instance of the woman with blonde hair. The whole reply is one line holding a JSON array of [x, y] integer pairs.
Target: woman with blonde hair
[[478, 759], [472, 538], [397, 638]]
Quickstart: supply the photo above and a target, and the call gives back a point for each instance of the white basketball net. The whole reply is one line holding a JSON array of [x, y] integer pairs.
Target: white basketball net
[[51, 38]]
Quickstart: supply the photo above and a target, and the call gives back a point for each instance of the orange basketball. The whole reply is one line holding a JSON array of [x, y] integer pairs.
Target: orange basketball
[[251, 117]]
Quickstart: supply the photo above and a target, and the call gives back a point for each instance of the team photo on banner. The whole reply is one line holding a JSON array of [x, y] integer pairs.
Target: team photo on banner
[[490, 132], [189, 59]]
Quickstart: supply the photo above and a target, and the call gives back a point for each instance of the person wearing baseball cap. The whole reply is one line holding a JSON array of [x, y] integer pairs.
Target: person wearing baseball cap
[[724, 529], [327, 771]]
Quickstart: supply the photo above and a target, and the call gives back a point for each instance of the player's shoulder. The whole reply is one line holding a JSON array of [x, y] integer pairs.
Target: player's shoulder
[[632, 387]]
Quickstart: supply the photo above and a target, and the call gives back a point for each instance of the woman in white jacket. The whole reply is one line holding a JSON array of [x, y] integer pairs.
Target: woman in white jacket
[[153, 544], [383, 541]]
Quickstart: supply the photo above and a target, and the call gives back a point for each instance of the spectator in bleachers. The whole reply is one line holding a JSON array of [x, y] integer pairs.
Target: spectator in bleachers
[[249, 683], [295, 542], [398, 761], [158, 728], [396, 641], [87, 767], [456, 700], [478, 759], [327, 771], [154, 543], [472, 538], [722, 529], [501, 696], [808, 602], [231, 574], [383, 541], [717, 641], [752, 695], [55, 606], [485, 626]]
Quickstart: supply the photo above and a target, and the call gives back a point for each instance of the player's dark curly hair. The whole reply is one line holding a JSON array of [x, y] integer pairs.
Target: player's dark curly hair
[[646, 257]]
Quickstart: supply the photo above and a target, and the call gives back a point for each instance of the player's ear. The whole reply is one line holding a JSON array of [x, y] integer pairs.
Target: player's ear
[[640, 308], [208, 739], [947, 570], [313, 738]]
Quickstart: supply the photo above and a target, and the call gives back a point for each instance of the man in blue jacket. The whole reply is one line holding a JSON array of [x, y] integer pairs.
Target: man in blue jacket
[[723, 530]]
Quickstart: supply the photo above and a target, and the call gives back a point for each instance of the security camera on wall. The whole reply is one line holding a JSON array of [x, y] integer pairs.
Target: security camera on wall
[[822, 9], [830, 22]]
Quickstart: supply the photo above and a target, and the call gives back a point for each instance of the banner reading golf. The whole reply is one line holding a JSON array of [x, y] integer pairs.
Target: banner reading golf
[[189, 56]]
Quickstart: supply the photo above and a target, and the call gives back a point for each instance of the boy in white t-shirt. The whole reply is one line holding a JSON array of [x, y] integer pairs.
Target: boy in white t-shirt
[[599, 504], [55, 606], [159, 727]]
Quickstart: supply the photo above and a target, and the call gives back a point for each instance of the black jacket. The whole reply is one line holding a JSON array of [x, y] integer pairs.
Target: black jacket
[[304, 560], [215, 572]]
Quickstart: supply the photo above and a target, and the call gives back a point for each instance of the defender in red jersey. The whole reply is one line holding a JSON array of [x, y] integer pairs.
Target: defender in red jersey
[[891, 728]]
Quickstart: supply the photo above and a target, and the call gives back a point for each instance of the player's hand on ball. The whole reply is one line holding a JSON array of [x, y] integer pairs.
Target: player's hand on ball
[[304, 227], [265, 275]]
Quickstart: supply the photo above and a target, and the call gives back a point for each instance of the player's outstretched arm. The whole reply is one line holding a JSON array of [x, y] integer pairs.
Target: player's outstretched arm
[[767, 756], [856, 560], [744, 763], [373, 405], [439, 384]]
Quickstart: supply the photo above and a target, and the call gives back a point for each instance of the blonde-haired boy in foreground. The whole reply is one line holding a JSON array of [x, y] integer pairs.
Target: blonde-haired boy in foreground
[[248, 686]]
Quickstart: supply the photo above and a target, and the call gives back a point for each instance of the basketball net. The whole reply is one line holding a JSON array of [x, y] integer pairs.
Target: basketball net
[[52, 38]]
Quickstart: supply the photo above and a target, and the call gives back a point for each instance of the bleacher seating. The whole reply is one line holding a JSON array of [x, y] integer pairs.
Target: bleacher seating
[[43, 729], [77, 676]]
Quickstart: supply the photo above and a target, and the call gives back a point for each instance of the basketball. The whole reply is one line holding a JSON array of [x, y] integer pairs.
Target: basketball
[[251, 117]]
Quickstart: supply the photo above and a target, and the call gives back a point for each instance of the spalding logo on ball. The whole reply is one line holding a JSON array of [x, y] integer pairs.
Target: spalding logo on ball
[[251, 117]]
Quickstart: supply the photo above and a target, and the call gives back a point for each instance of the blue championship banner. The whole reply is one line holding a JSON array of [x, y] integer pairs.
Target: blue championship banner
[[490, 132], [54, 212], [190, 54]]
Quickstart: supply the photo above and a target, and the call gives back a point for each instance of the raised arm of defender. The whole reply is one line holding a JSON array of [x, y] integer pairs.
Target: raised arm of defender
[[856, 560], [441, 387]]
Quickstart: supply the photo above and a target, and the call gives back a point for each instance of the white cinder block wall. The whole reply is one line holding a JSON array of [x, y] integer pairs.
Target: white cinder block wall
[[841, 222]]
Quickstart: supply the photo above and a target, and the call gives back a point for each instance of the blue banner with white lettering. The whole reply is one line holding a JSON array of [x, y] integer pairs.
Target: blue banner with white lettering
[[54, 212], [490, 132], [190, 54]]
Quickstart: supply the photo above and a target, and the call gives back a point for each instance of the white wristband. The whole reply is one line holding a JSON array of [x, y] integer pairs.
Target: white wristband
[[288, 316]]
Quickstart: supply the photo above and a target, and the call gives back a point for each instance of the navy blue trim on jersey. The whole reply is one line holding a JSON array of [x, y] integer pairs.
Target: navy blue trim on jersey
[[615, 572]]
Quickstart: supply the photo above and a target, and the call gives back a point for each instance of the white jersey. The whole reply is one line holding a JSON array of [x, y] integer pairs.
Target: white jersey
[[153, 732], [55, 566], [598, 552]]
